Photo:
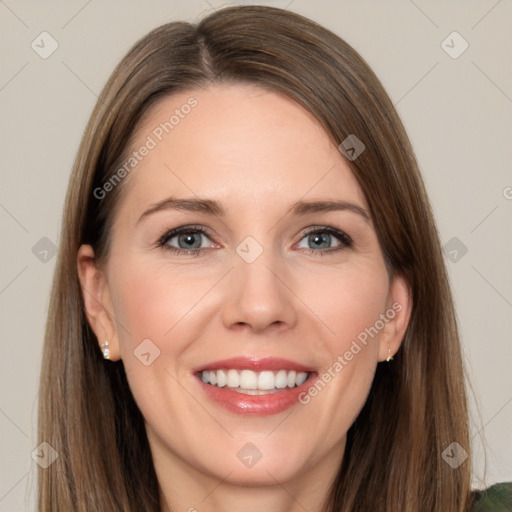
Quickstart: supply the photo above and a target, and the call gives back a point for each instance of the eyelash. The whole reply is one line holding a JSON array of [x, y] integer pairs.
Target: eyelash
[[342, 237]]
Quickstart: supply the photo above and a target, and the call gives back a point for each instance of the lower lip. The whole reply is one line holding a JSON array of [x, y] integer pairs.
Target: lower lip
[[256, 405]]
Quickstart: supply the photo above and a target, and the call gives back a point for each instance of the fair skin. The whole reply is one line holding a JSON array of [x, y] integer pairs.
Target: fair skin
[[256, 153]]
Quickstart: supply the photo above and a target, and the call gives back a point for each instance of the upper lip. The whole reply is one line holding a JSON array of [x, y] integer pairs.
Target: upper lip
[[255, 364]]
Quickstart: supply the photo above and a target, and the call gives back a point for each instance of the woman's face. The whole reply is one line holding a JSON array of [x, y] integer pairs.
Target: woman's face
[[280, 278]]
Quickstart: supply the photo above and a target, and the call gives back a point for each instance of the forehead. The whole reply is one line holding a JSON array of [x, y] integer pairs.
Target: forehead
[[252, 149]]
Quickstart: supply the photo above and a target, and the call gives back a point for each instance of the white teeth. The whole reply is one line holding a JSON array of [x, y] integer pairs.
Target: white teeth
[[254, 383], [301, 378], [233, 379], [282, 379], [266, 380], [248, 380], [291, 378], [221, 378]]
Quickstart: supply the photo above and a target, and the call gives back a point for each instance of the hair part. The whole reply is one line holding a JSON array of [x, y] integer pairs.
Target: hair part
[[416, 406]]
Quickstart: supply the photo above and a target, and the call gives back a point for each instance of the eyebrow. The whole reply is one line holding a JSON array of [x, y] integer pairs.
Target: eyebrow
[[216, 208]]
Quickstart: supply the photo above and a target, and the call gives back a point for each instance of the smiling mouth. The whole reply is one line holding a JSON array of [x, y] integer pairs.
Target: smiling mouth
[[249, 382]]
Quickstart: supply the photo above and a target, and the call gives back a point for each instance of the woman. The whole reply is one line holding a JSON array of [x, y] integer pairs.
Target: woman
[[250, 308]]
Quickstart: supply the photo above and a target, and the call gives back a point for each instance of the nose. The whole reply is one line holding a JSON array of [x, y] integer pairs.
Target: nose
[[259, 297]]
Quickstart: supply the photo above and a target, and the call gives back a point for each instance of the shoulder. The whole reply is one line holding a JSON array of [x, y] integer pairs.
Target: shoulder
[[497, 498]]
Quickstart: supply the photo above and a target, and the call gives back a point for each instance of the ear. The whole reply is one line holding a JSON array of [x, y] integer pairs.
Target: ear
[[97, 300], [397, 316]]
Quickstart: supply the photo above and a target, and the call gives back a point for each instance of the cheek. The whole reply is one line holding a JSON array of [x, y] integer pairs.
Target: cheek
[[151, 301], [349, 304], [143, 308]]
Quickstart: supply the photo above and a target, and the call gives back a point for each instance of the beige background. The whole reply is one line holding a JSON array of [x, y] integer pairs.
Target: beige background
[[458, 113]]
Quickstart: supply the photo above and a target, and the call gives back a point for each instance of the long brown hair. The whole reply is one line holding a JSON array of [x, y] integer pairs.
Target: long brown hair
[[417, 403]]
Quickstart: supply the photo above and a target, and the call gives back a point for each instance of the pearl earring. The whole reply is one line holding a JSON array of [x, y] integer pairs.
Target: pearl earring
[[105, 350]]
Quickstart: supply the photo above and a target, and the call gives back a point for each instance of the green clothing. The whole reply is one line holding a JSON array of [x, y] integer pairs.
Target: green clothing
[[497, 498]]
